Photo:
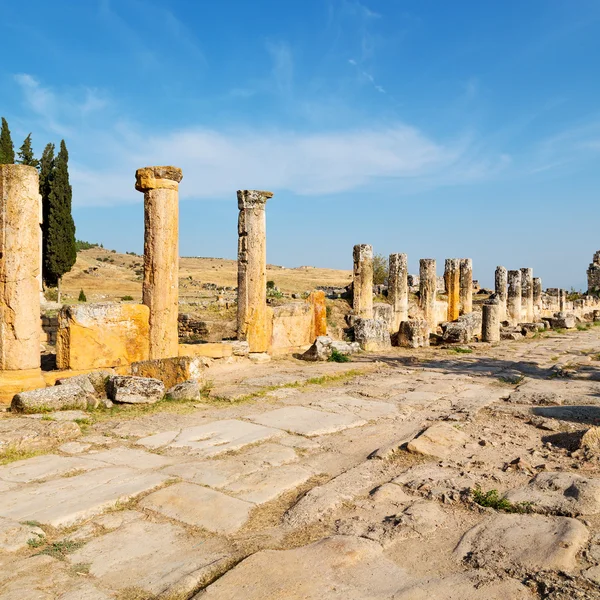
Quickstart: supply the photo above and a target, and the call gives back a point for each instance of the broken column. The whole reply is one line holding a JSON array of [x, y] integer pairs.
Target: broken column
[[490, 326], [252, 317], [562, 300], [466, 286], [362, 281], [501, 283], [20, 216], [527, 293], [513, 299], [452, 281], [160, 289], [427, 291], [537, 298], [398, 289]]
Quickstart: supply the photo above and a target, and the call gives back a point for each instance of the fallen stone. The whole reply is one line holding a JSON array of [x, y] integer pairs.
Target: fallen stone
[[464, 330], [14, 536], [259, 357], [590, 442], [213, 439], [83, 381], [200, 507], [238, 347], [153, 558], [319, 351], [170, 371], [135, 390], [560, 493], [372, 335], [562, 321], [187, 390], [527, 541], [60, 397], [440, 440], [306, 421], [413, 334], [345, 348], [384, 312], [67, 501], [510, 335]]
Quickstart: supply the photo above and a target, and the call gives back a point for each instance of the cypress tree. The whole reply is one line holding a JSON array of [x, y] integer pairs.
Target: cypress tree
[[26, 154], [46, 173], [7, 150], [61, 251]]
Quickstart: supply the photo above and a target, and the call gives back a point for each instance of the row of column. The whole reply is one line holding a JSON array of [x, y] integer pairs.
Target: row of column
[[519, 295]]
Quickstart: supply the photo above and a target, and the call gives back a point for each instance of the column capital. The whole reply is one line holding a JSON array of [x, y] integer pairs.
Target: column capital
[[152, 178], [252, 198]]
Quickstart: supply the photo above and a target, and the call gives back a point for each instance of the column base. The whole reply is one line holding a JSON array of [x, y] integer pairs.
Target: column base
[[13, 382]]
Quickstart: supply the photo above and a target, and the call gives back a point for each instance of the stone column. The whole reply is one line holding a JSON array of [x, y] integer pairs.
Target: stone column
[[490, 327], [466, 286], [20, 210], [562, 300], [513, 300], [527, 293], [452, 281], [252, 318], [362, 282], [537, 298], [398, 289], [160, 289], [501, 283], [427, 291]]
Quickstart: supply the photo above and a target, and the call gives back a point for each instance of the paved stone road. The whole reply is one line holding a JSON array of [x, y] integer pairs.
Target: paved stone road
[[354, 488]]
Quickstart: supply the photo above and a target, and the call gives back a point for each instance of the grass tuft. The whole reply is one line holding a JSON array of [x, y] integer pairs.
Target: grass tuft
[[60, 549], [337, 356], [492, 499]]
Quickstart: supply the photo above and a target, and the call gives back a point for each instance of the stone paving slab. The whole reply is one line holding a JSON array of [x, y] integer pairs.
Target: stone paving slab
[[347, 405], [148, 556], [307, 421], [263, 486], [217, 473], [14, 536], [64, 502], [213, 439], [200, 507], [43, 467], [128, 457]]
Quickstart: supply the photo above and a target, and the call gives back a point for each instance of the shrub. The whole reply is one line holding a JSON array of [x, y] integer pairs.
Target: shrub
[[380, 269], [82, 297], [127, 298], [492, 499], [82, 245], [270, 285], [51, 294], [337, 356]]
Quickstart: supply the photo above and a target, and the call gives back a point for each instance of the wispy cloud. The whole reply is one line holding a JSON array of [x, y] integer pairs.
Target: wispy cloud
[[283, 65], [367, 76]]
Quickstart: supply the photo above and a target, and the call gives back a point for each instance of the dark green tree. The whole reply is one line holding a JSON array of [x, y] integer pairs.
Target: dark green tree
[[60, 248], [26, 154], [7, 150], [46, 176]]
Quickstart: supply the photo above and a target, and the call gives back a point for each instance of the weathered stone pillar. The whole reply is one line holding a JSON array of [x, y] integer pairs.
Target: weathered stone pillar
[[362, 281], [452, 281], [513, 300], [527, 293], [20, 211], [398, 289], [252, 318], [160, 289], [490, 326], [562, 300], [427, 291], [537, 298], [501, 283], [466, 286]]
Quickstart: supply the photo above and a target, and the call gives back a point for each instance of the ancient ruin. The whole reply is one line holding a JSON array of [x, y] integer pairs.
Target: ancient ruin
[[593, 275], [362, 281], [398, 289], [427, 291], [466, 286], [452, 281]]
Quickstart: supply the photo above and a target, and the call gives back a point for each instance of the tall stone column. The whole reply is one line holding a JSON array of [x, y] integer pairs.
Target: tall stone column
[[562, 300], [20, 267], [427, 291], [160, 289], [537, 298], [501, 283], [527, 293], [252, 317], [362, 281], [466, 286], [452, 280], [490, 323], [398, 289], [513, 300]]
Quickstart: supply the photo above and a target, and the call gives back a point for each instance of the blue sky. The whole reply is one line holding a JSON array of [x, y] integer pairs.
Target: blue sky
[[440, 129]]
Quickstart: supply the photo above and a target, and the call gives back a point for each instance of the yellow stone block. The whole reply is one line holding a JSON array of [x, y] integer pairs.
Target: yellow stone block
[[171, 371], [292, 328], [97, 336], [13, 382], [209, 350]]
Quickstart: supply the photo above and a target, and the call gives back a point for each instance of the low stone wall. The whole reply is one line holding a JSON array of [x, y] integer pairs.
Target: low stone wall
[[292, 327], [193, 329]]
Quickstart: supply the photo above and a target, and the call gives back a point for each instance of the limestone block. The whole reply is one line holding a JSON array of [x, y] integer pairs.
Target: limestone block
[[463, 330], [238, 347], [14, 536], [490, 327], [135, 390], [208, 350], [317, 301], [20, 268], [13, 382], [151, 178], [384, 312], [319, 351], [61, 397], [414, 334], [372, 335], [94, 336], [562, 321], [171, 371], [187, 390], [292, 327]]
